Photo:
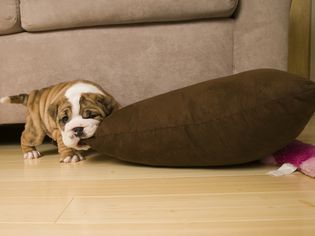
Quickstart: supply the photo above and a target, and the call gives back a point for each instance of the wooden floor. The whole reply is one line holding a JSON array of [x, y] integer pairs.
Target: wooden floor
[[101, 196]]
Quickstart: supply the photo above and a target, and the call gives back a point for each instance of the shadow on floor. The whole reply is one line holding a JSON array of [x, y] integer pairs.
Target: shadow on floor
[[98, 157]]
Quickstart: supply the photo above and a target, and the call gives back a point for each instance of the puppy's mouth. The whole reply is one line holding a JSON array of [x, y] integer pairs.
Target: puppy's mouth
[[81, 143]]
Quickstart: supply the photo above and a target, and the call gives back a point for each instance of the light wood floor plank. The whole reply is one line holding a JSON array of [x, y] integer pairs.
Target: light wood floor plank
[[263, 228], [225, 184], [191, 208], [33, 209]]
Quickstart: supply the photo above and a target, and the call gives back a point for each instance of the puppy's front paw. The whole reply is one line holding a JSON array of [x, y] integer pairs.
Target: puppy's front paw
[[73, 158], [32, 155]]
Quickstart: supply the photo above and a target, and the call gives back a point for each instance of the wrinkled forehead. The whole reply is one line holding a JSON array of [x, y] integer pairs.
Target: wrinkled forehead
[[82, 93], [91, 101], [77, 105], [64, 105], [90, 98], [81, 101]]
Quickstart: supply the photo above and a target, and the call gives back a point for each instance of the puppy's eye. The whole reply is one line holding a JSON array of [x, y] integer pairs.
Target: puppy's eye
[[64, 119], [90, 115]]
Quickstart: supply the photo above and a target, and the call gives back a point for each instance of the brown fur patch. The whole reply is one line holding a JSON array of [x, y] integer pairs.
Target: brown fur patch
[[19, 99], [96, 106], [61, 112]]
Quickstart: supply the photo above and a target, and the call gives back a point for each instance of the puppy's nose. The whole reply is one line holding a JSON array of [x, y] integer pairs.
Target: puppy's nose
[[78, 131]]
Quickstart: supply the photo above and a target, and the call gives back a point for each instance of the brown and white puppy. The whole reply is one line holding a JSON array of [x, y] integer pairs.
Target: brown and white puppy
[[67, 112]]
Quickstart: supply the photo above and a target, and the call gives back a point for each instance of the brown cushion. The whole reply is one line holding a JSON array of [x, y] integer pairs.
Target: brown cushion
[[231, 120], [51, 14], [9, 17]]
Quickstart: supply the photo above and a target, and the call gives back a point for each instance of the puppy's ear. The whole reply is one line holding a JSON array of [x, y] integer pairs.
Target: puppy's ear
[[53, 110], [108, 103]]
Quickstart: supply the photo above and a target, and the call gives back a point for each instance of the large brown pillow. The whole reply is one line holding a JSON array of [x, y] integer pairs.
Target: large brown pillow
[[231, 120]]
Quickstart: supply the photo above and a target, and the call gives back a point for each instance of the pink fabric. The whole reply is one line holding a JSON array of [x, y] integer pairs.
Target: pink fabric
[[295, 153], [308, 167], [301, 155]]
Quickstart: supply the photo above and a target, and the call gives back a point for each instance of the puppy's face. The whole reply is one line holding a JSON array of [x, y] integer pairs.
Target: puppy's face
[[78, 117]]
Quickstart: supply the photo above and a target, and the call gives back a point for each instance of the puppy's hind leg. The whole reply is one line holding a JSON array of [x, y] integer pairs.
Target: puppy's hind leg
[[32, 136]]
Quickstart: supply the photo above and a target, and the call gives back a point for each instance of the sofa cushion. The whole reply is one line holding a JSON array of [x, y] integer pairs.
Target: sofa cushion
[[40, 15], [9, 17]]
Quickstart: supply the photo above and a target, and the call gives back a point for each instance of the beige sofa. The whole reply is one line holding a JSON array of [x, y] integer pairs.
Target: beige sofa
[[135, 48]]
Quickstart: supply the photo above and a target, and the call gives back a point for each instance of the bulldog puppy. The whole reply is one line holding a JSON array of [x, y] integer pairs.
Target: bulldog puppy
[[67, 112]]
